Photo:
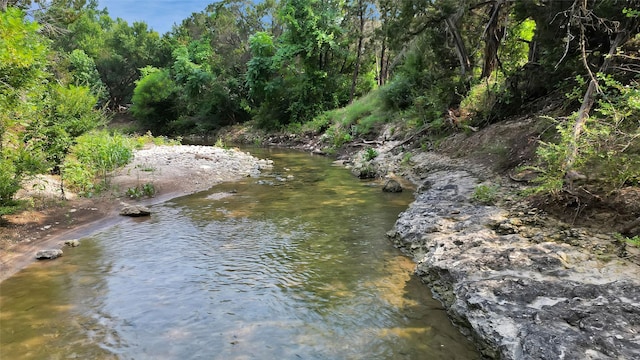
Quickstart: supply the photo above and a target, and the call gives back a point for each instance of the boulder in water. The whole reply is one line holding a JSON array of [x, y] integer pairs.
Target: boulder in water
[[135, 211], [392, 186], [48, 254]]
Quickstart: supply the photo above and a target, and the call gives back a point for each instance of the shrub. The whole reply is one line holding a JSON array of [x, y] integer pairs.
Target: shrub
[[370, 154], [397, 95], [146, 190], [608, 147], [95, 155], [153, 99]]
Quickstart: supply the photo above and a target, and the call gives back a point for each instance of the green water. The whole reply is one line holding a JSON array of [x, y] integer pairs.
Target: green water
[[291, 265]]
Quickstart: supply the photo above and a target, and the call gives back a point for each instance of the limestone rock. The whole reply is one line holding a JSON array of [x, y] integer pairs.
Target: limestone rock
[[135, 211], [72, 243], [48, 254], [392, 186], [519, 298]]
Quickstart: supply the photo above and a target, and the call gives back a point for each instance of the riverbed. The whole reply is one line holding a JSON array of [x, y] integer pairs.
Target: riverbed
[[290, 264]]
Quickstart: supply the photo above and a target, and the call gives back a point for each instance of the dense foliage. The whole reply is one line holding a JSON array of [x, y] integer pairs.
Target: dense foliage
[[439, 65]]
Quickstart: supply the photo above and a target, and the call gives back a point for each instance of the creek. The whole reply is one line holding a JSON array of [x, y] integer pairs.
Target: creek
[[293, 264]]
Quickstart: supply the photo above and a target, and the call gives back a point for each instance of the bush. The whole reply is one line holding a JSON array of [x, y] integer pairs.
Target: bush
[[68, 113], [9, 182], [608, 148], [397, 95], [153, 99], [94, 156], [370, 154]]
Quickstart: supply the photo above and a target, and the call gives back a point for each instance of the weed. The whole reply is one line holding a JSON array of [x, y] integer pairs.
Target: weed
[[96, 154], [370, 154], [485, 194], [634, 241], [146, 190], [146, 168], [406, 158]]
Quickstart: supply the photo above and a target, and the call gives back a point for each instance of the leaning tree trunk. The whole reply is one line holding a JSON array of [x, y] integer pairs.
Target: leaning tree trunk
[[587, 102], [461, 51]]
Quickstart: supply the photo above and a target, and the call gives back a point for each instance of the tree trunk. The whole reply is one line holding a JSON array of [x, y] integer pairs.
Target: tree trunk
[[493, 34], [356, 69], [587, 103], [461, 51], [382, 74]]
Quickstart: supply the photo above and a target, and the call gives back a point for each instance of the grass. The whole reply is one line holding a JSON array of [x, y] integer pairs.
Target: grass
[[89, 163], [633, 241], [346, 124], [485, 194], [359, 118]]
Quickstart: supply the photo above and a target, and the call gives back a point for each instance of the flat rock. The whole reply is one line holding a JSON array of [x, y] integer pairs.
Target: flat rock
[[519, 297], [135, 211], [48, 254]]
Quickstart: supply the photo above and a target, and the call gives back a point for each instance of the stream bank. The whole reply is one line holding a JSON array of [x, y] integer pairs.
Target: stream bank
[[517, 280], [521, 283]]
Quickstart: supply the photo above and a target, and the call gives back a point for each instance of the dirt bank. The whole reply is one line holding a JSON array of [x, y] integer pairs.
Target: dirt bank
[[171, 171]]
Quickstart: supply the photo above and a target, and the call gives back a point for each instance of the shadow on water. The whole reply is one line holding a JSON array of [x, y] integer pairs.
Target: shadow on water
[[291, 265]]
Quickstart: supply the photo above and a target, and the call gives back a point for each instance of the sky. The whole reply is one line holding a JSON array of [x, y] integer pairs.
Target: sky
[[160, 15]]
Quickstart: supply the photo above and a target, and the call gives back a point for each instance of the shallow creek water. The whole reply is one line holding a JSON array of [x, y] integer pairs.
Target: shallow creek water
[[292, 265]]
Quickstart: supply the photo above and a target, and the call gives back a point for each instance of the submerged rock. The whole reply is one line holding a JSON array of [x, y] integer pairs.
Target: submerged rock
[[519, 296], [48, 254], [135, 211], [72, 243]]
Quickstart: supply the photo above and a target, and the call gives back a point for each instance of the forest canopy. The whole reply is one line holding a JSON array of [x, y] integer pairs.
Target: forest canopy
[[454, 64]]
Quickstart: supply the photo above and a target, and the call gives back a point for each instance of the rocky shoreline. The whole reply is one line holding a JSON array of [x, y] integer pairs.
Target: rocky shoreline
[[520, 283]]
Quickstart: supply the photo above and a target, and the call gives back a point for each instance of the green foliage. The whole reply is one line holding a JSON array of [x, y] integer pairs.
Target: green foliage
[[514, 52], [141, 141], [84, 73], [398, 94], [609, 146], [154, 99], [485, 194], [477, 105], [9, 184], [633, 241], [370, 154], [139, 191], [361, 117], [23, 54], [94, 156], [68, 113], [406, 158]]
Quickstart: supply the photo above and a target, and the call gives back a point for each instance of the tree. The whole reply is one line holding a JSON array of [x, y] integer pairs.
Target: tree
[[154, 99], [131, 48], [620, 30], [22, 71]]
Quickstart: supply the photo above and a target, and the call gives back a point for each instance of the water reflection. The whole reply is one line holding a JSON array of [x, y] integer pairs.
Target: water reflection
[[291, 265]]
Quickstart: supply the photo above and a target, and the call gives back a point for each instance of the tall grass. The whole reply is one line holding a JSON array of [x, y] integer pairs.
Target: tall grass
[[89, 162], [357, 120]]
